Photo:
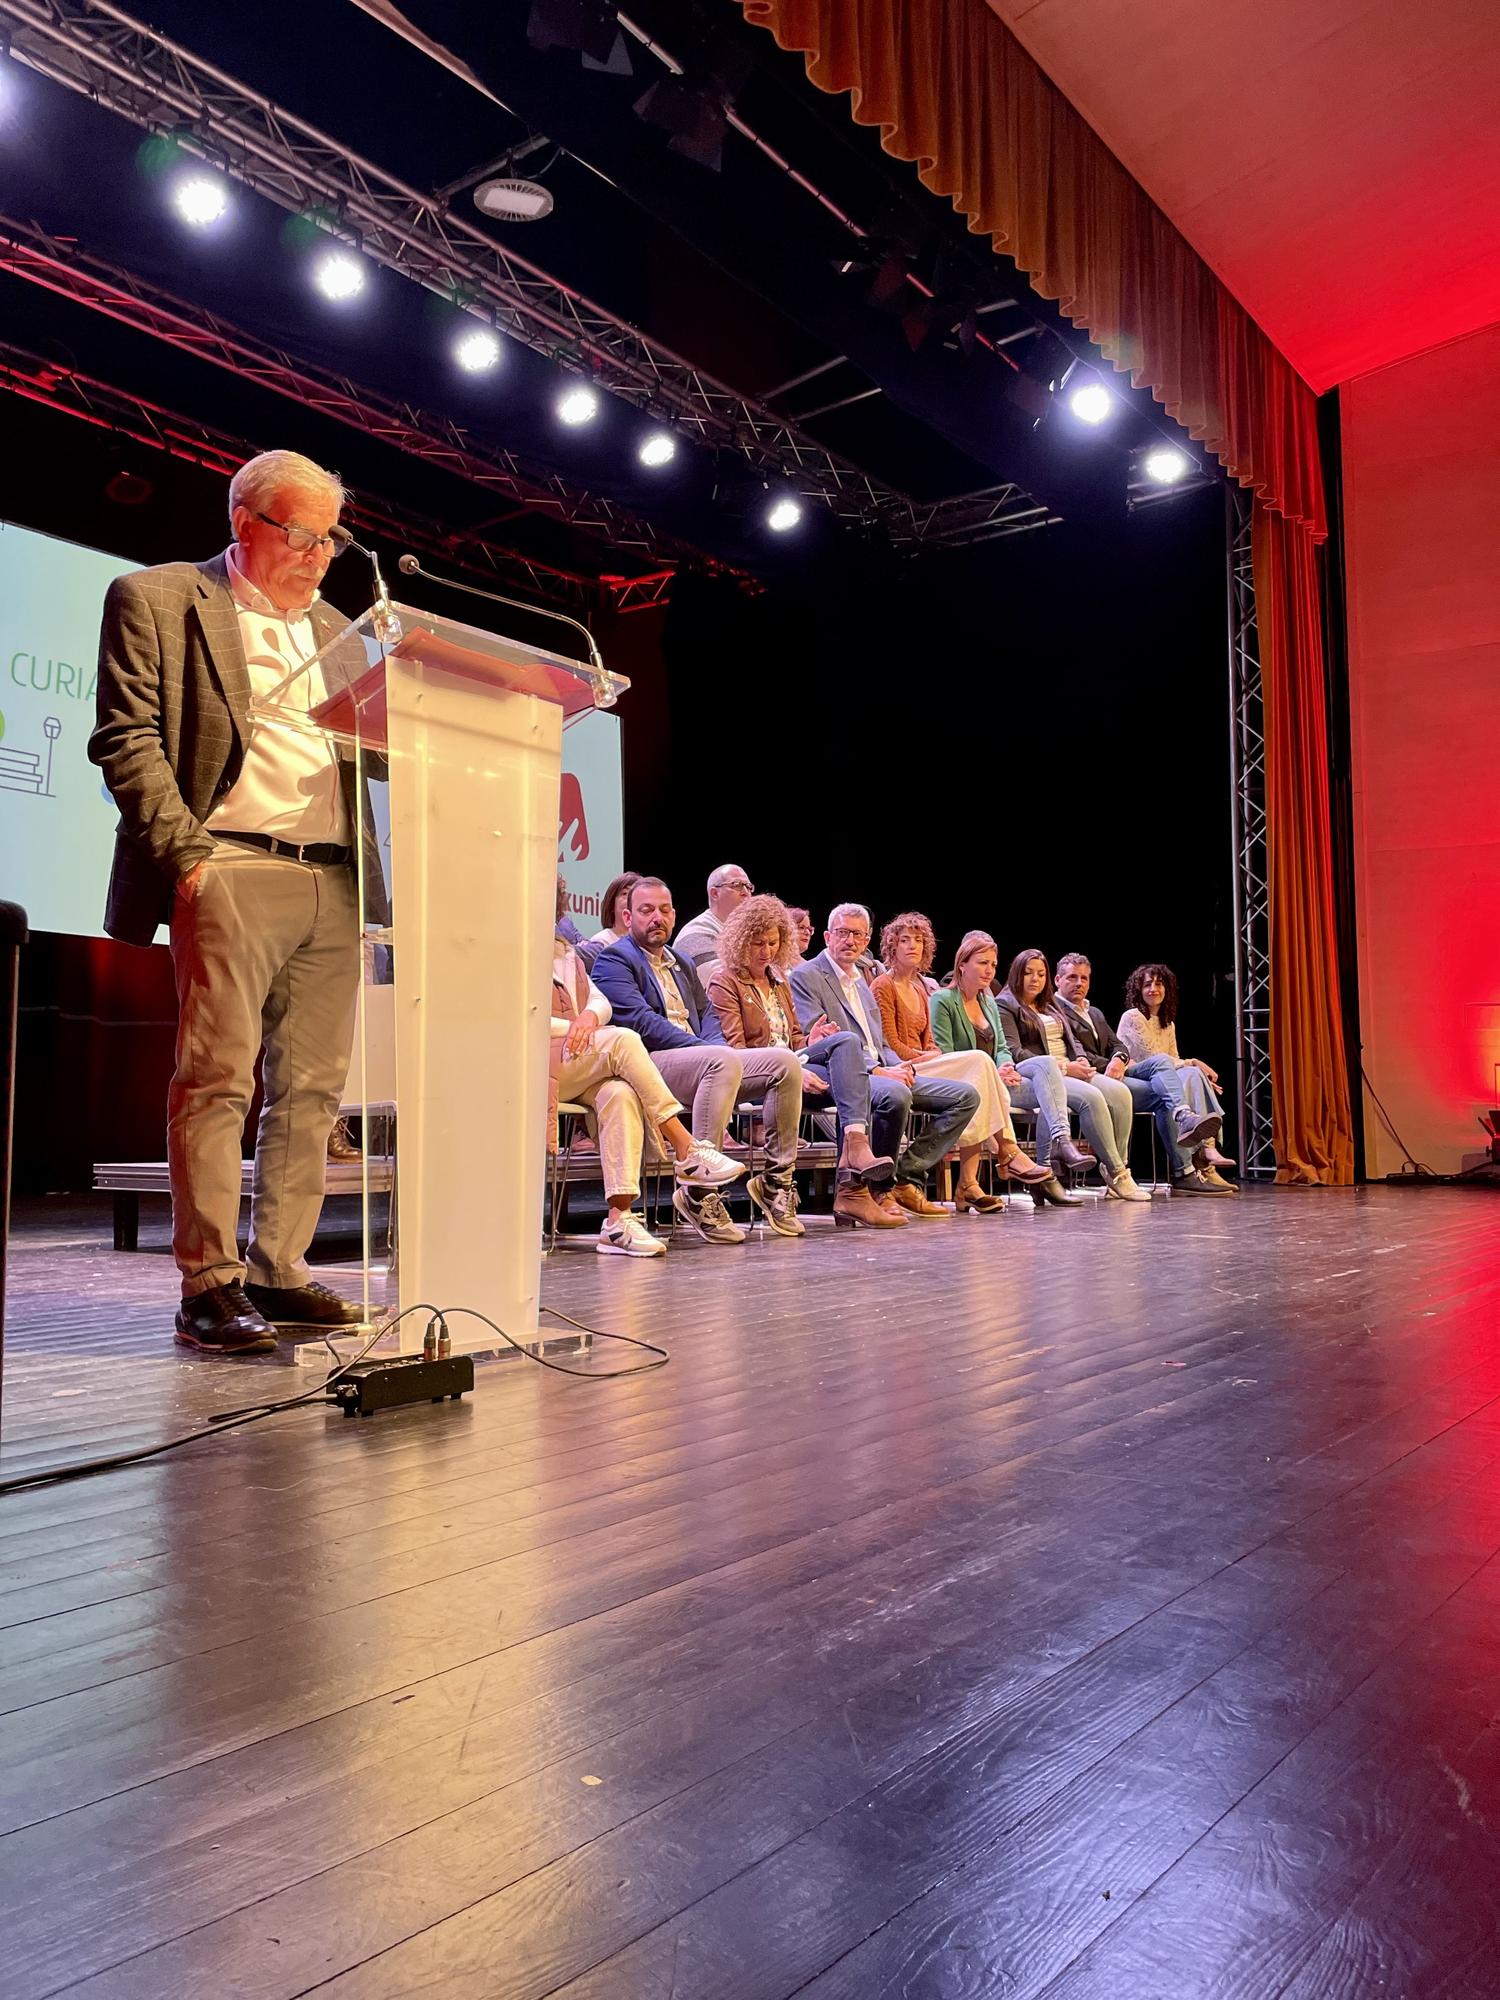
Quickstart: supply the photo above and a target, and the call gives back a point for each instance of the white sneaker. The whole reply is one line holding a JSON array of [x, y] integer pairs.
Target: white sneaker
[[706, 1167], [707, 1214], [1125, 1187], [625, 1235]]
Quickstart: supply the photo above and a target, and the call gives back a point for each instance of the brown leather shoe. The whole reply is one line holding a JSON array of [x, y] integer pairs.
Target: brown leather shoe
[[342, 1149], [911, 1198], [884, 1199], [1066, 1154], [854, 1205]]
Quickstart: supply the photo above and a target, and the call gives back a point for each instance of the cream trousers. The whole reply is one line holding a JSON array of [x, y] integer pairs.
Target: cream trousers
[[974, 1067], [619, 1082]]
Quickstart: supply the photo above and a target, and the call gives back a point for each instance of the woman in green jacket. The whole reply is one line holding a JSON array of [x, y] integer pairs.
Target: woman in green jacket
[[964, 1016]]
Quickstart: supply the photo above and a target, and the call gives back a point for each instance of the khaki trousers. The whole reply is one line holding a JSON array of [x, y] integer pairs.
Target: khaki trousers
[[617, 1078], [265, 952]]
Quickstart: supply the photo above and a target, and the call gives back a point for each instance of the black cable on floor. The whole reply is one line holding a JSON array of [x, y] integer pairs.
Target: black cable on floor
[[227, 1420], [557, 1367]]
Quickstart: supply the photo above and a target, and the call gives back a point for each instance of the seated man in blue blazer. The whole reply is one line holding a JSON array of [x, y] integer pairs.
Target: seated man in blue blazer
[[831, 984], [662, 998]]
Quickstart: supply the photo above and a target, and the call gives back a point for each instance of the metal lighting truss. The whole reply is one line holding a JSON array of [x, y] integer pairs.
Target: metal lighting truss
[[58, 386], [1252, 894], [58, 266], [95, 48]]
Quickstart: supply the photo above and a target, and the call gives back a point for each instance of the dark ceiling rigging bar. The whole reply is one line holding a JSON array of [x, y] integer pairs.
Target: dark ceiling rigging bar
[[94, 47], [136, 420], [30, 253]]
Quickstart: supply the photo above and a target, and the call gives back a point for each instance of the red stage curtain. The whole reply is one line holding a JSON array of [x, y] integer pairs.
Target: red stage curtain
[[1311, 1115], [951, 88]]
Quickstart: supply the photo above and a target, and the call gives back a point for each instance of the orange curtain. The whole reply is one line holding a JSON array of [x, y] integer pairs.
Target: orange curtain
[[1311, 1114], [950, 88]]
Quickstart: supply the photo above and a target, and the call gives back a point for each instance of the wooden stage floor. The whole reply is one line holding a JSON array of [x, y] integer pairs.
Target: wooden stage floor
[[1096, 1606]]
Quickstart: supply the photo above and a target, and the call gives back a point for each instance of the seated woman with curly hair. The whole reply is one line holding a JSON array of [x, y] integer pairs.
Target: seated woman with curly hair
[[747, 984], [1148, 1027], [907, 945]]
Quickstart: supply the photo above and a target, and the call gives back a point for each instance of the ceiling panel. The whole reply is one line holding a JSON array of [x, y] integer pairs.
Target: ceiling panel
[[1336, 162]]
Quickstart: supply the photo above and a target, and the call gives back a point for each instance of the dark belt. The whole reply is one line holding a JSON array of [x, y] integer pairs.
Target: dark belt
[[323, 852]]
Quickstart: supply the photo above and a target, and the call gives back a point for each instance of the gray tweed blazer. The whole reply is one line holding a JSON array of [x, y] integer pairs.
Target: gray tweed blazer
[[172, 722]]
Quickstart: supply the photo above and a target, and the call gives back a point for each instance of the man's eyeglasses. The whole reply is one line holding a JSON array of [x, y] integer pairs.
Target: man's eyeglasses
[[849, 931], [300, 540]]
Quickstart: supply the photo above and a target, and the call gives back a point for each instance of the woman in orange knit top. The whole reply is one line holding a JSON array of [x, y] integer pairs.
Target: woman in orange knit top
[[908, 946]]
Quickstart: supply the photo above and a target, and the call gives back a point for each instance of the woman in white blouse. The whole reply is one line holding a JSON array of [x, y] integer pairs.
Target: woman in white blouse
[[1148, 1027]]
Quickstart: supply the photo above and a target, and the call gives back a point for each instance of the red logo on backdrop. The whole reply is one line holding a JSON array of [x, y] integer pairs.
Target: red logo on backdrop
[[573, 820]]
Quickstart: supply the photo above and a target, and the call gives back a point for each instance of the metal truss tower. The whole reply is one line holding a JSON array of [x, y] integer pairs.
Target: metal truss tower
[[1252, 896]]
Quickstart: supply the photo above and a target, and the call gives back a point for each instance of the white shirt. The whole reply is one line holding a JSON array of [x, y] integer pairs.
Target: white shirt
[[289, 782], [851, 983]]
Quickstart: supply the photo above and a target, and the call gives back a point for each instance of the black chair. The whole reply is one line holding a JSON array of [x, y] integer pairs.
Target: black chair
[[12, 937]]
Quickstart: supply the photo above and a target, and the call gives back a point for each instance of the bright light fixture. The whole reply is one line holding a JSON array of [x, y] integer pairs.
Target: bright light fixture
[[339, 275], [1091, 403], [658, 449], [578, 405], [201, 199], [1166, 464], [476, 350], [784, 516]]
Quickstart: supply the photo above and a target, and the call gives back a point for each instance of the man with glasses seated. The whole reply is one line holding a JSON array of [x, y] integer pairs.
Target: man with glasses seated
[[237, 831], [698, 940], [832, 985]]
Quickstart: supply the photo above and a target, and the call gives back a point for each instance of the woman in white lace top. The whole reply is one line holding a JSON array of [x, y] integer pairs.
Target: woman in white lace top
[[1148, 1027]]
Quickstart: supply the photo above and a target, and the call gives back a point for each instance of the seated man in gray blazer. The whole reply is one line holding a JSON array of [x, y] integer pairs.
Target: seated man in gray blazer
[[239, 835], [831, 984]]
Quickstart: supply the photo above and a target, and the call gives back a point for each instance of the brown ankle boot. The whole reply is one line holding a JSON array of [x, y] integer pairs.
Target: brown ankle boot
[[854, 1205]]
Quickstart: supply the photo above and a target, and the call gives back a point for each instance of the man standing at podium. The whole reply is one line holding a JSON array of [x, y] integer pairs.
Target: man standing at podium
[[237, 832]]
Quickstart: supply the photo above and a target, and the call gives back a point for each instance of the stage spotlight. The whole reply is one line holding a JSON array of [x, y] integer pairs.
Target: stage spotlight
[[783, 516], [201, 200], [339, 275], [658, 449], [476, 350], [578, 405], [1166, 464], [1091, 403]]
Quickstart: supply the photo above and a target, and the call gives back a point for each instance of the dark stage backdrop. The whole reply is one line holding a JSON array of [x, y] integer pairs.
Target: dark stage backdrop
[[1030, 736]]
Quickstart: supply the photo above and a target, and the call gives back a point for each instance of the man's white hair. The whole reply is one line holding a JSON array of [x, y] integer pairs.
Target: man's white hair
[[849, 910], [259, 481], [722, 874]]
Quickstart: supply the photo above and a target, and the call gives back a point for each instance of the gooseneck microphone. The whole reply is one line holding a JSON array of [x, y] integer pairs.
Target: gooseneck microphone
[[604, 693]]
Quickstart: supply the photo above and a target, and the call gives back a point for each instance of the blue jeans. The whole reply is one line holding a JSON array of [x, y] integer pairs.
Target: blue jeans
[[1043, 1089], [947, 1105], [1156, 1087], [1157, 1082], [1105, 1112], [840, 1061]]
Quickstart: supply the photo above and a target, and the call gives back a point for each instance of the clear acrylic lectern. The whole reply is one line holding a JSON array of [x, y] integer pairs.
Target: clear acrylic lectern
[[456, 736]]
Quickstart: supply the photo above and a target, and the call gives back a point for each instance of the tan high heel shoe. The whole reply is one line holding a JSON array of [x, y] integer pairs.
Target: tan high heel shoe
[[1015, 1166]]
